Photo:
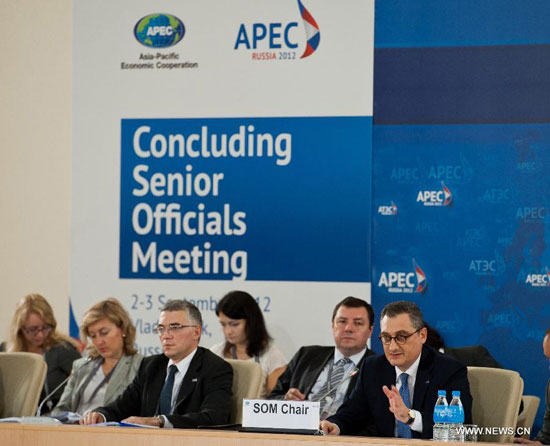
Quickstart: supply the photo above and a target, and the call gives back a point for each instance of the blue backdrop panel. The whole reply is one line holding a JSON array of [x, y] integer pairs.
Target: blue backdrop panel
[[484, 254], [461, 214], [303, 220], [463, 84], [445, 23]]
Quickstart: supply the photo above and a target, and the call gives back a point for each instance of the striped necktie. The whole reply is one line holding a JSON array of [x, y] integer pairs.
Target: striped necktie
[[336, 374]]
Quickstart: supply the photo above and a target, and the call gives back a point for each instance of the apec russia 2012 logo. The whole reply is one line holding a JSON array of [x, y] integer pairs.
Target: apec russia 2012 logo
[[159, 30], [442, 197], [404, 281], [278, 40], [539, 280]]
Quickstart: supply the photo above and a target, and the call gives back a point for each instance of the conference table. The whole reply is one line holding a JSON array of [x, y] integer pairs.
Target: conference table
[[39, 435]]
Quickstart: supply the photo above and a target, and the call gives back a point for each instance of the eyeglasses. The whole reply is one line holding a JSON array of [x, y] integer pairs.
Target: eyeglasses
[[399, 339], [172, 328], [33, 331]]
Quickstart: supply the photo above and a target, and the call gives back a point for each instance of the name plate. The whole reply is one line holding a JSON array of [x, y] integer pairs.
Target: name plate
[[280, 414]]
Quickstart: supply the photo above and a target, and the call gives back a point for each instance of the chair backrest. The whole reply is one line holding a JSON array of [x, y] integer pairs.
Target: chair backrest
[[497, 395], [527, 416], [247, 383], [21, 379]]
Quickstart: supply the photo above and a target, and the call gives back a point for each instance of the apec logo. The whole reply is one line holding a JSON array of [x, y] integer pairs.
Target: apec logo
[[472, 239], [488, 267], [404, 282], [538, 280], [388, 210], [429, 227], [450, 326], [532, 214], [442, 197], [277, 40], [526, 150], [495, 195], [159, 30], [505, 319], [404, 175], [458, 173]]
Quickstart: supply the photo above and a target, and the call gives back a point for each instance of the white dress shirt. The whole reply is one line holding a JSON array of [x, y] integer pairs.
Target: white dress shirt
[[411, 380], [336, 400], [182, 367]]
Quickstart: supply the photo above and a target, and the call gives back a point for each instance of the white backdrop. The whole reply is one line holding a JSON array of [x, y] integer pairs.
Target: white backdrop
[[219, 78]]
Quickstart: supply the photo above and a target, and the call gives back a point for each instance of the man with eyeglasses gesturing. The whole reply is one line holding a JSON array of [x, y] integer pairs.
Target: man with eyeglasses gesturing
[[186, 387], [397, 391]]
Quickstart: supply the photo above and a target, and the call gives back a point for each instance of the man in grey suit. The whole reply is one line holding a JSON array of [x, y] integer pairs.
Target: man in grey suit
[[543, 437], [328, 374]]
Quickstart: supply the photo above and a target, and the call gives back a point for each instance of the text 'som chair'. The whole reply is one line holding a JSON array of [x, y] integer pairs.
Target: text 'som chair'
[[21, 379], [497, 395], [247, 383]]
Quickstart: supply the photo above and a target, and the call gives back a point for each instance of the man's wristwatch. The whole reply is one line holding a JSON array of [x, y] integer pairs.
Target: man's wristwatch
[[161, 420], [412, 415]]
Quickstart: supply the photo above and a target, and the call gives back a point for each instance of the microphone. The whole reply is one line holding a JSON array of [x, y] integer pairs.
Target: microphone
[[49, 395], [347, 378]]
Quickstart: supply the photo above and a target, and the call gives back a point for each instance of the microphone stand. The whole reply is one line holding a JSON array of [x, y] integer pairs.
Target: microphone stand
[[49, 395]]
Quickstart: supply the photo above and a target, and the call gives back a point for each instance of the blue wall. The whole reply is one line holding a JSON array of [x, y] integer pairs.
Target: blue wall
[[461, 155]]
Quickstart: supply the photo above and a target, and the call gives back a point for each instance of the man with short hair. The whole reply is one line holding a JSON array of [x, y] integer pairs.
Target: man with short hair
[[397, 391], [186, 387], [328, 374], [543, 437]]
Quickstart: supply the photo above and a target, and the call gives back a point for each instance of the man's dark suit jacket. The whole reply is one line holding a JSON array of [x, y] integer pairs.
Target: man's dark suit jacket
[[368, 404], [473, 355], [304, 369], [204, 397], [544, 435]]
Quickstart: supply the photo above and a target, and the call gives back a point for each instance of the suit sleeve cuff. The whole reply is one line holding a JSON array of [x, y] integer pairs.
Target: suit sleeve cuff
[[167, 424]]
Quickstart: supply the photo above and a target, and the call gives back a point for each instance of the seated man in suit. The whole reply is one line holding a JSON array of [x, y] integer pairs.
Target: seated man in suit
[[186, 387], [328, 374], [472, 355], [397, 391], [543, 437]]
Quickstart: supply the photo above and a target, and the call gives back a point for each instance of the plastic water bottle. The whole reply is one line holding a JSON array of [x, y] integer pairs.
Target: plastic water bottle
[[441, 422], [456, 418]]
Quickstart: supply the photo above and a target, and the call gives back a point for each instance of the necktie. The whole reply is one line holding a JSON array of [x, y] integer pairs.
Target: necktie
[[333, 380], [165, 400], [403, 429]]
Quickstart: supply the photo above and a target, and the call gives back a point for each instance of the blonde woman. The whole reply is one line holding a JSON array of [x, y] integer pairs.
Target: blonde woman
[[112, 359], [34, 329]]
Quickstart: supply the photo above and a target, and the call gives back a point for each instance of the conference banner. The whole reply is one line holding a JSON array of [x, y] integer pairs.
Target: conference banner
[[222, 146]]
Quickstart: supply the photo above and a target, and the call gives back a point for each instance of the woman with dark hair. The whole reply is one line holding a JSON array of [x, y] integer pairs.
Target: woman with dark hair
[[246, 337]]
